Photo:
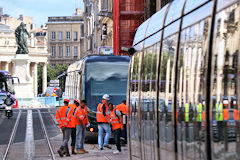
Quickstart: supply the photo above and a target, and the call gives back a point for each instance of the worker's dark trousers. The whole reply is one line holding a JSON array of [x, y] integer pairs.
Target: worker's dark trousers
[[117, 135], [73, 136]]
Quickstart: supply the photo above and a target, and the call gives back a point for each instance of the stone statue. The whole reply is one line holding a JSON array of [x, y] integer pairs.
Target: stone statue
[[21, 39]]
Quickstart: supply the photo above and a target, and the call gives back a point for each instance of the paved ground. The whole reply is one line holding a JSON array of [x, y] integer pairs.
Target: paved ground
[[94, 153], [41, 148]]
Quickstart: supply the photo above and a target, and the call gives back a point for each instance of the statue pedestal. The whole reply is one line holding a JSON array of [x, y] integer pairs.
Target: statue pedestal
[[21, 69]]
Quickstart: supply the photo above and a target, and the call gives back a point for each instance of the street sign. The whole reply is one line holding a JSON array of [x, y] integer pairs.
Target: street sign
[[56, 81], [54, 90]]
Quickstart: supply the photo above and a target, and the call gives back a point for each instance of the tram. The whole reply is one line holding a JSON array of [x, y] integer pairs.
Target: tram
[[193, 47], [92, 77], [7, 89]]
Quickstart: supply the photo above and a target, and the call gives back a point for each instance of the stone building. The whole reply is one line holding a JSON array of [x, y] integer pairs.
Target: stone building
[[98, 24], [38, 55], [65, 38]]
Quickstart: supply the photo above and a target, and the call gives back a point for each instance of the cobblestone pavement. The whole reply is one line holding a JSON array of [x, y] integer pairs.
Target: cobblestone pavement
[[94, 153]]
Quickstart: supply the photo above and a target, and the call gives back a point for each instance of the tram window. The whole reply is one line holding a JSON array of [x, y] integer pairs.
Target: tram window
[[141, 29], [153, 39], [2, 86], [172, 29], [166, 95], [174, 11], [156, 22], [134, 116], [191, 84], [225, 90], [192, 4]]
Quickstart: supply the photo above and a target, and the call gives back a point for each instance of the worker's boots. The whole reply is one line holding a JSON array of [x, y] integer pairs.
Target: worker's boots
[[73, 150], [67, 152], [60, 151]]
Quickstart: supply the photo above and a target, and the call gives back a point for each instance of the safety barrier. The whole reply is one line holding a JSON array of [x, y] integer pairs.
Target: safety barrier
[[39, 102]]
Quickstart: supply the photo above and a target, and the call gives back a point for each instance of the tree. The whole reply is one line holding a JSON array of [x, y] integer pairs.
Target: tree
[[52, 73]]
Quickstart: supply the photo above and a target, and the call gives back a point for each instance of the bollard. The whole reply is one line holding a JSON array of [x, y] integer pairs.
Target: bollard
[[29, 147]]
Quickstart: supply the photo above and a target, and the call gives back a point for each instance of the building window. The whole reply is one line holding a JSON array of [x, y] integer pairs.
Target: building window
[[53, 51], [82, 30], [60, 36], [68, 50], [68, 36], [60, 51], [75, 36], [53, 35], [104, 5], [75, 51], [53, 65]]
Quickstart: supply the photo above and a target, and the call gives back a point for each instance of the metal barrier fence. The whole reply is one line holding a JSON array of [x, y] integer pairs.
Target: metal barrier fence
[[39, 102]]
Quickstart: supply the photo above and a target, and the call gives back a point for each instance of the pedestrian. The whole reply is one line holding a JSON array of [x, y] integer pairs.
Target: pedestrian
[[61, 115], [72, 120], [82, 123], [103, 122], [124, 112], [117, 127]]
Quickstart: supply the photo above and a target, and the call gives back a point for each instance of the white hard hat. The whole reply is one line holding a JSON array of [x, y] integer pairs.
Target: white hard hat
[[106, 96]]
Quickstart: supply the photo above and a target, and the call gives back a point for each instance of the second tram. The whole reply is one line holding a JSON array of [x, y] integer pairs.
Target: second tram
[[193, 47], [92, 77]]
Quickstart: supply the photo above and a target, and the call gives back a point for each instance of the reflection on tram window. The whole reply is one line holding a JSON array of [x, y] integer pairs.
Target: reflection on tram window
[[225, 84], [191, 126], [134, 116], [166, 96]]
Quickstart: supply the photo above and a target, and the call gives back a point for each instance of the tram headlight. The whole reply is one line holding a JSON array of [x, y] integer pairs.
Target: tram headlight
[[91, 129]]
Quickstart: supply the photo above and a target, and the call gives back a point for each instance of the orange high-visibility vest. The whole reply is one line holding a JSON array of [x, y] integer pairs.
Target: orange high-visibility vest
[[61, 115], [235, 114], [122, 108], [100, 116], [225, 114], [71, 119], [115, 121], [82, 115]]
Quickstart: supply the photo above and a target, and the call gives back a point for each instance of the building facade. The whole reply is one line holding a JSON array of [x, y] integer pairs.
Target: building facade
[[65, 38], [38, 55]]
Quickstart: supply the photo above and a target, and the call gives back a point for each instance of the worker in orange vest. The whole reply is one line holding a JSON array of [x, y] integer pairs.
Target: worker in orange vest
[[61, 116], [103, 122], [82, 123], [124, 112], [225, 114], [117, 125], [71, 120]]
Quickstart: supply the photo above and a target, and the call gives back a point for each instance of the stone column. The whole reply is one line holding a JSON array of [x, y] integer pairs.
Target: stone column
[[44, 78], [6, 66], [35, 79]]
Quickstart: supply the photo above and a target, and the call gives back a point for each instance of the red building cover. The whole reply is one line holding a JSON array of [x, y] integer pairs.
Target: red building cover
[[127, 16]]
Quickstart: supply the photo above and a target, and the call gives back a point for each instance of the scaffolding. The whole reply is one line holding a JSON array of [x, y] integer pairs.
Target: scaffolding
[[127, 16]]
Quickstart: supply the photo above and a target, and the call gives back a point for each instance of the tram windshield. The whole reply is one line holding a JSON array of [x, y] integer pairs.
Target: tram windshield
[[105, 78]]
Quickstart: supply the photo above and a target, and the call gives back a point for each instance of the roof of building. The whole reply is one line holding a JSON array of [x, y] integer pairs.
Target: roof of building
[[5, 28]]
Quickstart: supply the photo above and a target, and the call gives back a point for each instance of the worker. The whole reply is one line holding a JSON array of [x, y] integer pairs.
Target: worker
[[117, 127], [199, 109], [219, 119], [81, 124], [72, 120], [123, 109], [61, 115], [103, 122]]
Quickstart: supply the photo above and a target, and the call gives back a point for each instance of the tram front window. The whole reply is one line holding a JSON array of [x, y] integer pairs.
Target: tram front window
[[105, 78], [2, 86], [10, 86]]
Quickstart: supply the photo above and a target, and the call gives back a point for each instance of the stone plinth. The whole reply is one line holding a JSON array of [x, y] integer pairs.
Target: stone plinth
[[21, 69]]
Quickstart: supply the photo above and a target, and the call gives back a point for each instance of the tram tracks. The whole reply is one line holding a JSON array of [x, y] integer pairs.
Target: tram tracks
[[15, 146], [12, 136]]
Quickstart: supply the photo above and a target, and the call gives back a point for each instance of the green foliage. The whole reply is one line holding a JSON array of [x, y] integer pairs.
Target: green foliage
[[52, 73]]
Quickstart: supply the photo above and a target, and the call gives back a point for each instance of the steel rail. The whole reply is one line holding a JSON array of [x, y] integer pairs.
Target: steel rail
[[12, 135], [46, 135]]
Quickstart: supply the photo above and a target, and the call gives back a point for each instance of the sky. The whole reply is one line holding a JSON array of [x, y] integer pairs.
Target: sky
[[40, 10]]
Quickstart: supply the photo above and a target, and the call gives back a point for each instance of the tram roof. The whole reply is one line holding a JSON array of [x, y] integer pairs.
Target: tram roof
[[4, 73], [153, 26], [96, 58]]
